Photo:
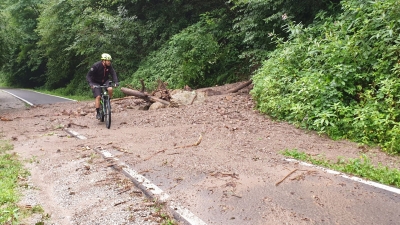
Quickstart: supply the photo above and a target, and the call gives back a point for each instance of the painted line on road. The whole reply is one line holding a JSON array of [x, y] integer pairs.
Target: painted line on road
[[53, 95], [75, 134], [357, 179], [153, 191], [149, 189], [29, 103]]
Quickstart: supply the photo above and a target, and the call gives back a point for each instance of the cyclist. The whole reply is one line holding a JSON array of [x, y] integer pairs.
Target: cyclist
[[99, 74]]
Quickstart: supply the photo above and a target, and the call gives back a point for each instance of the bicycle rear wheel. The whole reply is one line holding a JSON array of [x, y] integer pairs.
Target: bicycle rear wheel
[[107, 112]]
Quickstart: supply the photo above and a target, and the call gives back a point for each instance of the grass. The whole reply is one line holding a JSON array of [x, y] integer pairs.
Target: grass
[[361, 167], [10, 170], [160, 214]]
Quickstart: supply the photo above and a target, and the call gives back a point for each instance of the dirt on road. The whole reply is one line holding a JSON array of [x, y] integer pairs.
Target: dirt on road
[[208, 155]]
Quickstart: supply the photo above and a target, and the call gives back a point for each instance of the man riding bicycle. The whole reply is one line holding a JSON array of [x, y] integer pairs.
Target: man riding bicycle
[[99, 74]]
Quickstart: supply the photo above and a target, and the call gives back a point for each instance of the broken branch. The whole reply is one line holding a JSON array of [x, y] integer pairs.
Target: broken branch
[[119, 203], [195, 144], [154, 154], [235, 89], [285, 177], [142, 95], [70, 124]]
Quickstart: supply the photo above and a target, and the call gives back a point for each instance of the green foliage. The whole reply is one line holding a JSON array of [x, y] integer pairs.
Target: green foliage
[[257, 20], [10, 169], [338, 76], [359, 167], [200, 55], [20, 67]]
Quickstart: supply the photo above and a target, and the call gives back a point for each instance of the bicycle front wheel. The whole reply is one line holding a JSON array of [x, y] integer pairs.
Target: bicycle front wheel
[[107, 113]]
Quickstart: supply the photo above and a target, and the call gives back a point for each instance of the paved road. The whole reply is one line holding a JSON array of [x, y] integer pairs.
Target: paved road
[[35, 98], [222, 190]]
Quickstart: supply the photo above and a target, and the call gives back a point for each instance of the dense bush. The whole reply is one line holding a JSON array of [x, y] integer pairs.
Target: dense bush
[[200, 55], [226, 45], [339, 76]]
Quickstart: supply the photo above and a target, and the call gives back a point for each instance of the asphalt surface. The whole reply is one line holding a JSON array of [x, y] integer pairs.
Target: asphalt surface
[[35, 98]]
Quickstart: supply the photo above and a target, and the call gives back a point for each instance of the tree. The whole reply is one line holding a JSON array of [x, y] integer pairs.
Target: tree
[[21, 67]]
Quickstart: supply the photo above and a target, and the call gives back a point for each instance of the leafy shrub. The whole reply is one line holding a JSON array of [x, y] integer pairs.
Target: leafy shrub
[[339, 76], [200, 55]]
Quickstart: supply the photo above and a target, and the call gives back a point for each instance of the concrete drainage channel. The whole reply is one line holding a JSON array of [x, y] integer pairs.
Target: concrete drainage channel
[[151, 190]]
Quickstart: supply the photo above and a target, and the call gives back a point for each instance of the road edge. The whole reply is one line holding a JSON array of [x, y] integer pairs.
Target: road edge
[[151, 190]]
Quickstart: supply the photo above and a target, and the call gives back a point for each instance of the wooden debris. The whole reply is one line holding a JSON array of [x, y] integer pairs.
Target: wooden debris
[[154, 154], [194, 98], [142, 95], [233, 175], [162, 151], [162, 91], [70, 124], [175, 153], [119, 203], [123, 191], [285, 177], [5, 119], [195, 144], [235, 89], [303, 175], [149, 204]]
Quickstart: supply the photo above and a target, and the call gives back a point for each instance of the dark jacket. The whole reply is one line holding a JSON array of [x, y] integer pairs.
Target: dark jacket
[[98, 74]]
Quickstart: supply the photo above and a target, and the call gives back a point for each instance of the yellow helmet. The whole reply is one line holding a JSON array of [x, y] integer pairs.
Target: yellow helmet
[[106, 56]]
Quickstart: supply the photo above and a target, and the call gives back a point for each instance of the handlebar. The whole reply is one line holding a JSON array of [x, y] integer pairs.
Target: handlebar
[[106, 86], [100, 86]]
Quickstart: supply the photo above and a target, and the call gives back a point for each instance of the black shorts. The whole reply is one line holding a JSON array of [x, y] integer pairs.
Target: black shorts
[[97, 91]]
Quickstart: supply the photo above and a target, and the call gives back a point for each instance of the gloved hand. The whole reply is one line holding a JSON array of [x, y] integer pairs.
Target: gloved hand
[[116, 84]]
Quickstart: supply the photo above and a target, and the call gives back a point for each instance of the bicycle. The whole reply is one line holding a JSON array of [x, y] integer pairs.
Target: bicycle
[[105, 104]]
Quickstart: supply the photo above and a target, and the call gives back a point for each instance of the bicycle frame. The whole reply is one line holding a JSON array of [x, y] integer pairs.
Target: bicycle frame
[[105, 105]]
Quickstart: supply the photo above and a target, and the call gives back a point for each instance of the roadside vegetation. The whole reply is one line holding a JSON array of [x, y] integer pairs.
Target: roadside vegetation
[[361, 167], [10, 171], [331, 66], [12, 176], [338, 76]]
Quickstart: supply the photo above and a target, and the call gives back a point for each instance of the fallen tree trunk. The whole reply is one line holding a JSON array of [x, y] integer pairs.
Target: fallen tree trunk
[[235, 89], [142, 95]]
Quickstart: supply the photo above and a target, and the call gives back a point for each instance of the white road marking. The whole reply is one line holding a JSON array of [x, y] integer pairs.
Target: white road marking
[[29, 103], [54, 96], [155, 192], [357, 179], [75, 134], [150, 189]]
